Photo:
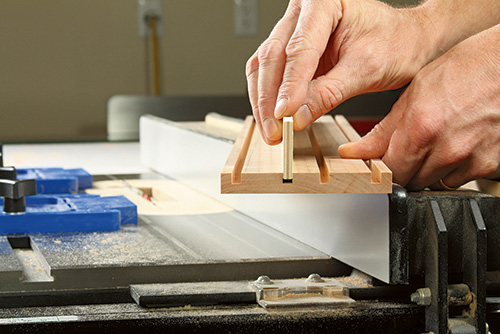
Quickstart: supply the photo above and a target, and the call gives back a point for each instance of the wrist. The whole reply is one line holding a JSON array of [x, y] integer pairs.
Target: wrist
[[446, 23], [431, 42]]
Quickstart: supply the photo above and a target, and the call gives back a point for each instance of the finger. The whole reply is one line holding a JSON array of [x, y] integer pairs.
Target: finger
[[252, 81], [444, 184], [317, 21], [472, 169], [453, 166], [375, 143], [271, 59], [430, 173], [406, 151], [440, 161]]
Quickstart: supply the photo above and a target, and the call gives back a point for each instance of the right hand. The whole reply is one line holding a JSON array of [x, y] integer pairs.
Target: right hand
[[323, 52], [446, 124]]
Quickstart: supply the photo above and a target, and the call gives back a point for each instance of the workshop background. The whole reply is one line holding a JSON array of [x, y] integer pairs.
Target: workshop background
[[62, 60]]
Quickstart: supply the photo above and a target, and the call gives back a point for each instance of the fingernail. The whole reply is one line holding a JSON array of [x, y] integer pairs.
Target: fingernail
[[271, 129], [344, 146], [302, 117], [346, 151], [280, 109]]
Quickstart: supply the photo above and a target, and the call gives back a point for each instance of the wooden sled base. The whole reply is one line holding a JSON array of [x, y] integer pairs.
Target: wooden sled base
[[255, 167]]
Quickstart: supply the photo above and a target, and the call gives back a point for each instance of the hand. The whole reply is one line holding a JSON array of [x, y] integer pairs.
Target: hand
[[324, 52], [446, 124]]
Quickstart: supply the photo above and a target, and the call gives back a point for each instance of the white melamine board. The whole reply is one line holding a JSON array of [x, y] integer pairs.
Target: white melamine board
[[353, 228], [96, 158]]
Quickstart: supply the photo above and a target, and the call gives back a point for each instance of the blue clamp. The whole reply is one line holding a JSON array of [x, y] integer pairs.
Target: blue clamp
[[25, 213], [57, 180], [69, 213]]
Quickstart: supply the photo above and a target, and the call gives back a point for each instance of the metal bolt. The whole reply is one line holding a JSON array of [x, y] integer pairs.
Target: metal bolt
[[264, 280], [315, 278], [422, 297]]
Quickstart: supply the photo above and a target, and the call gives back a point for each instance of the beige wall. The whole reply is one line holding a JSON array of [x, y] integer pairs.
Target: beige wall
[[60, 60]]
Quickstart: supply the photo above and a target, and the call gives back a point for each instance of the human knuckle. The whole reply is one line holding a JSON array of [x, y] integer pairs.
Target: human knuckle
[[301, 45], [271, 50], [380, 127], [424, 128], [265, 96], [330, 96], [252, 66], [456, 153], [256, 112], [294, 8], [486, 167], [290, 83], [373, 64]]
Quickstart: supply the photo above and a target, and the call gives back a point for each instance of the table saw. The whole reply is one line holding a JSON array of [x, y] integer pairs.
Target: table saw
[[201, 261]]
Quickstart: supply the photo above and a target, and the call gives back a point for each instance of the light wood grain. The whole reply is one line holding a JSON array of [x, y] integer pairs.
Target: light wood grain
[[170, 197], [491, 187], [287, 148], [317, 168]]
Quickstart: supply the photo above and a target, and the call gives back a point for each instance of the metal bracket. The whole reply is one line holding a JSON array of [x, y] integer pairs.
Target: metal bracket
[[313, 291], [286, 293]]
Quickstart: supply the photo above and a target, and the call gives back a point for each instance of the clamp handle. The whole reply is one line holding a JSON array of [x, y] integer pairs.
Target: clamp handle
[[14, 193], [8, 173]]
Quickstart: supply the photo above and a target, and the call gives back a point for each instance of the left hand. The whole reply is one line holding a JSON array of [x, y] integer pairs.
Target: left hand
[[446, 124]]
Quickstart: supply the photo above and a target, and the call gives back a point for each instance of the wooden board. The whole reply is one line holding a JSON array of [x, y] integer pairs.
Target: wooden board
[[255, 167], [170, 198]]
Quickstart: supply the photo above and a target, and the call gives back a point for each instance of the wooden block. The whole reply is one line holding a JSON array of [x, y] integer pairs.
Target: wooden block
[[255, 167], [287, 148]]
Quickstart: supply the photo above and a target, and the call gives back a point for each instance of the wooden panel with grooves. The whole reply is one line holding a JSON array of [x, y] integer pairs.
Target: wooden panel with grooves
[[255, 167]]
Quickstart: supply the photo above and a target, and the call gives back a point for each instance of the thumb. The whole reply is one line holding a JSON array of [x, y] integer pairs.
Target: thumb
[[375, 143], [324, 94]]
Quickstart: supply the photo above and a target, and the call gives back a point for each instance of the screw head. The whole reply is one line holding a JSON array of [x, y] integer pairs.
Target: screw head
[[264, 280], [314, 278]]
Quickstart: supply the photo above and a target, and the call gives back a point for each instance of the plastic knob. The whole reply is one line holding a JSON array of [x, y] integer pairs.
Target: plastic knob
[[14, 193], [8, 173]]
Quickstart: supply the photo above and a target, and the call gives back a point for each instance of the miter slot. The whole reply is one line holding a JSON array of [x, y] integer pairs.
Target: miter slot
[[34, 265], [240, 161]]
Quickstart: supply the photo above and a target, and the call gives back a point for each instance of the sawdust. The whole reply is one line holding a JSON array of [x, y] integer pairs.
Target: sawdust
[[353, 282], [129, 245], [297, 295]]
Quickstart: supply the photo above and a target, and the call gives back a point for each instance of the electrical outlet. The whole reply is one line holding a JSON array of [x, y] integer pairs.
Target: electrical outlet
[[145, 9], [246, 17]]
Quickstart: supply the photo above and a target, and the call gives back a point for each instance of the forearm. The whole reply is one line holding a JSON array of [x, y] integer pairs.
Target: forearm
[[448, 22]]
